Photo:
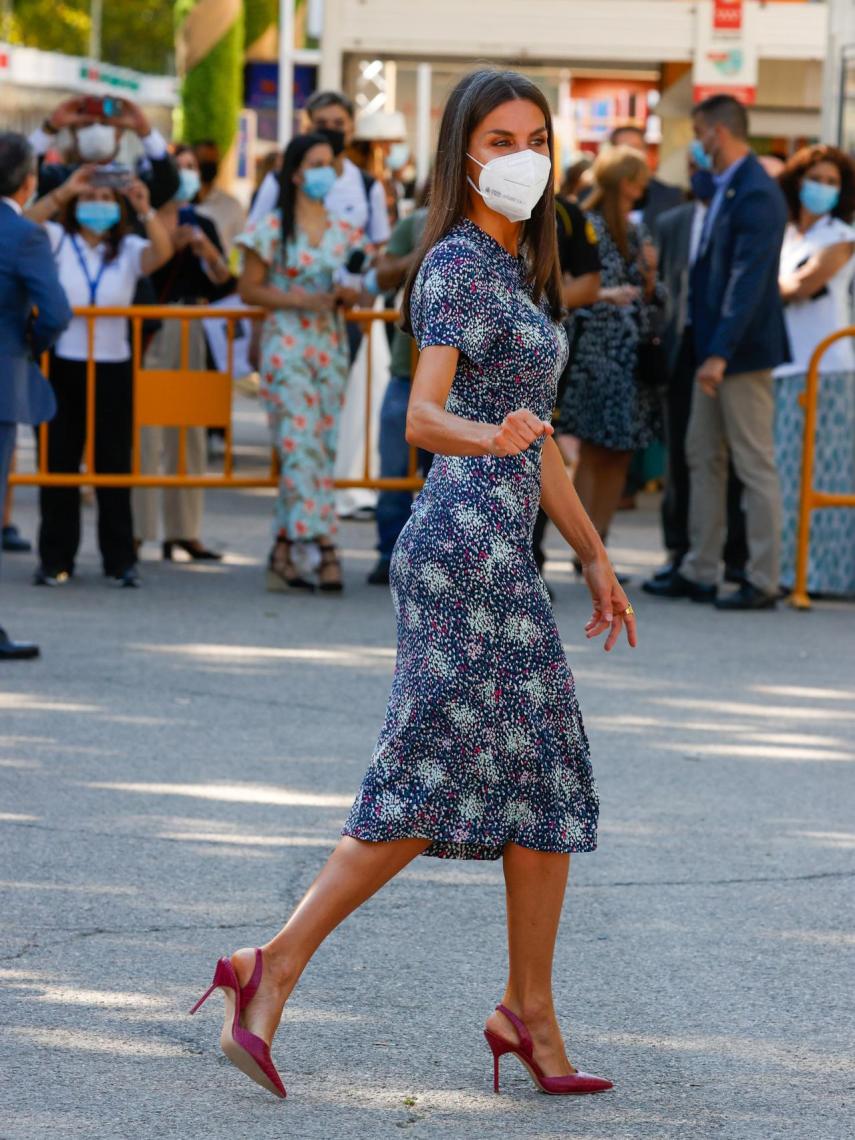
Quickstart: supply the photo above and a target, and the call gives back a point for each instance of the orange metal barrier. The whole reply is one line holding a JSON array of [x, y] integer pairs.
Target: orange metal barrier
[[811, 499], [184, 397]]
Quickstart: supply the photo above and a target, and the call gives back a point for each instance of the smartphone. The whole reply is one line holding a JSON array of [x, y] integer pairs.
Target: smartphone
[[102, 107], [187, 216], [115, 176]]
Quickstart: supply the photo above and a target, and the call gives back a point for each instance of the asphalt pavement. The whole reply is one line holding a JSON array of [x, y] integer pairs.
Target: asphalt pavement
[[179, 762]]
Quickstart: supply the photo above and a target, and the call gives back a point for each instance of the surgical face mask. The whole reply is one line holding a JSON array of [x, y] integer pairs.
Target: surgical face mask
[[334, 138], [703, 185], [399, 154], [98, 216], [190, 183], [318, 181], [513, 184], [701, 159], [97, 142], [817, 197]]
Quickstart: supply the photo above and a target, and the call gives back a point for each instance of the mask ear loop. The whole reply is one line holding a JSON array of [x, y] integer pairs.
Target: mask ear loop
[[474, 185]]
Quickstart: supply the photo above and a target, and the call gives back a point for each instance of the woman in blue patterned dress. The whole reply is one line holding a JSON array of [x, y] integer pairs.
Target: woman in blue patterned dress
[[483, 754]]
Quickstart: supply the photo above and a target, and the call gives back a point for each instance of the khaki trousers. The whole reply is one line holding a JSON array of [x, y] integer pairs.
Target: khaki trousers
[[739, 421], [182, 507]]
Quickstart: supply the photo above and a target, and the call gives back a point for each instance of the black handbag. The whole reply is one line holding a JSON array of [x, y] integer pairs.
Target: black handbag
[[651, 361]]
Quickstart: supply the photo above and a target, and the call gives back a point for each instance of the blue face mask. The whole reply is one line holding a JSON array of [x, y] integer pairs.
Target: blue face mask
[[398, 156], [190, 183], [699, 156], [98, 216], [817, 197], [318, 181], [703, 185]]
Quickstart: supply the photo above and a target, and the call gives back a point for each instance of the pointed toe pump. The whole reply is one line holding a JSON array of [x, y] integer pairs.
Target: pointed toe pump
[[576, 1084], [246, 1051]]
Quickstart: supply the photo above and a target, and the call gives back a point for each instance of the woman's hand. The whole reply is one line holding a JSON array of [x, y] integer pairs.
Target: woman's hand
[[346, 296], [137, 194], [620, 294], [315, 302], [612, 610], [517, 432]]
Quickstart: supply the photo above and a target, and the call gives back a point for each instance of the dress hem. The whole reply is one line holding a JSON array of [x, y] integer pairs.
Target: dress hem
[[443, 847]]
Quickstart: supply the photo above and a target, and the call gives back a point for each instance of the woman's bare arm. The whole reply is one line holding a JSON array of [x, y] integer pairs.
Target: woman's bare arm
[[431, 427], [254, 289], [816, 272]]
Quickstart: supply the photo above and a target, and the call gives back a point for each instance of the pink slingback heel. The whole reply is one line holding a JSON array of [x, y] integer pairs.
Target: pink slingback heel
[[246, 1052], [576, 1084]]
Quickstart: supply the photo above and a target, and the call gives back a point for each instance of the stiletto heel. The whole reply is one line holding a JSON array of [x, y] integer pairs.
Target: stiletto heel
[[246, 1051], [576, 1084]]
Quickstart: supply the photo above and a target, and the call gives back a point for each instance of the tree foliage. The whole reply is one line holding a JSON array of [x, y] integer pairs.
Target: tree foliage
[[212, 92], [259, 15], [134, 33]]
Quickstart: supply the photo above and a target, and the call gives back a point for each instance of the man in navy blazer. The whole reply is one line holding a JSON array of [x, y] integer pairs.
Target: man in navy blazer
[[28, 280], [739, 337]]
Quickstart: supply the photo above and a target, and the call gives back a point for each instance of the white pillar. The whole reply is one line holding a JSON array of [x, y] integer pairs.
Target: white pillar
[[841, 34], [286, 71], [95, 12], [331, 69], [424, 150]]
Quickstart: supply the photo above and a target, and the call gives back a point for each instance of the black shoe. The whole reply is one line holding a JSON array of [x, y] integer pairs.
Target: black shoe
[[128, 579], [666, 571], [679, 587], [45, 577], [194, 550], [16, 650], [13, 543], [735, 575], [747, 597], [379, 576]]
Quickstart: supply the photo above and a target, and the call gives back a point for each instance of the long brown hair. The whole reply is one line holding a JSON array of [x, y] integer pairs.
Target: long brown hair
[[614, 165], [474, 97]]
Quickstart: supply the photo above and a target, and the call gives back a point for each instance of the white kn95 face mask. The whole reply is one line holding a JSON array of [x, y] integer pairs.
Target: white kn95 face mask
[[513, 184]]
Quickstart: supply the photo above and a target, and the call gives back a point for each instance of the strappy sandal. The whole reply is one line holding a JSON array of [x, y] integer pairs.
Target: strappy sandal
[[282, 574], [329, 571]]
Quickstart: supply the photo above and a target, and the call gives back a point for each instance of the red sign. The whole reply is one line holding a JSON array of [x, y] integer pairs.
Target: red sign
[[727, 15], [745, 94]]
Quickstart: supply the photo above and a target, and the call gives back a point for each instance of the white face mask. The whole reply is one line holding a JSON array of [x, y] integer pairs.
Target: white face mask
[[513, 184], [97, 142]]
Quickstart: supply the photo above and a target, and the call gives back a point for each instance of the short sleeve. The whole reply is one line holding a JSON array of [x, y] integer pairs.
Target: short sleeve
[[133, 248], [454, 302], [402, 242], [262, 237]]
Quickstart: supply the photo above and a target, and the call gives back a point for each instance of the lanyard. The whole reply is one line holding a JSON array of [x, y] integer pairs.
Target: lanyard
[[93, 285]]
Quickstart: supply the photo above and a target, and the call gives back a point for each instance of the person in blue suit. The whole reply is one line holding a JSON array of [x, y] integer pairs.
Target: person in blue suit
[[739, 337], [28, 281]]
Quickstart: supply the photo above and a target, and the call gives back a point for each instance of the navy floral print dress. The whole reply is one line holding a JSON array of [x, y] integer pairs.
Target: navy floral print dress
[[483, 742]]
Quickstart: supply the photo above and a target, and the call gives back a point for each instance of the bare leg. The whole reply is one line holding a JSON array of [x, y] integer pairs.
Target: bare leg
[[353, 873], [535, 882], [600, 479]]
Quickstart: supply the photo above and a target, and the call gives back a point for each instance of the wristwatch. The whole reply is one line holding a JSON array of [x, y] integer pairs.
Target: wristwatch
[[49, 128], [150, 214]]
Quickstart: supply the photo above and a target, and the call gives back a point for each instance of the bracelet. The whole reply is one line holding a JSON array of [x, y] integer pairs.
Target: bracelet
[[149, 216]]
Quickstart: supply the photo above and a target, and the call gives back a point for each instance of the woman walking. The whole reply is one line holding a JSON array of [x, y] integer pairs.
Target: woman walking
[[606, 405], [483, 754], [292, 259], [817, 269]]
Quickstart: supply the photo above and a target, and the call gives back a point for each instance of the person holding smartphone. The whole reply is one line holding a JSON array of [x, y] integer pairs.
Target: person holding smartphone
[[100, 260], [93, 127], [196, 274]]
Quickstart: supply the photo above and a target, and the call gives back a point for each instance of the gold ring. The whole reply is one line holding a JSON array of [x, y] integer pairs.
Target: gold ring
[[629, 611]]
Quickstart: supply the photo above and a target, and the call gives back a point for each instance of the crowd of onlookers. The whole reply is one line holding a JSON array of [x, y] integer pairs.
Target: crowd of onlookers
[[691, 319]]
